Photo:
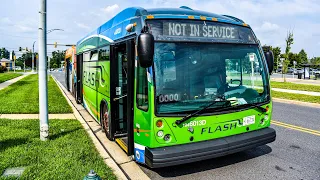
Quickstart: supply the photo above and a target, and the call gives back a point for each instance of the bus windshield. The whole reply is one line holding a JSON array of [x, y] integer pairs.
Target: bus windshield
[[188, 76]]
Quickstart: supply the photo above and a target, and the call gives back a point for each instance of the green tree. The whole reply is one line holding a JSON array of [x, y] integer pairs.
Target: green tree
[[315, 61], [57, 57], [4, 53], [294, 57], [303, 57], [276, 53], [286, 62]]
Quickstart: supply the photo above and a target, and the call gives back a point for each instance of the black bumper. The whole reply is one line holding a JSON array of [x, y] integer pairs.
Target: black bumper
[[186, 153]]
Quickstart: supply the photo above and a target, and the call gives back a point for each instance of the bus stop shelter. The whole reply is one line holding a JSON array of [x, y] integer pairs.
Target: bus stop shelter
[[307, 71]]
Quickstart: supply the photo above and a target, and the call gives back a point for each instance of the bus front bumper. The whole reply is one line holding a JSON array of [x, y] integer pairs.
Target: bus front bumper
[[187, 153]]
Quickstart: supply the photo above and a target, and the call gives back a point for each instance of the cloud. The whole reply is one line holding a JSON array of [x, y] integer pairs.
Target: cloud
[[83, 26], [5, 20], [111, 9], [24, 28], [268, 27]]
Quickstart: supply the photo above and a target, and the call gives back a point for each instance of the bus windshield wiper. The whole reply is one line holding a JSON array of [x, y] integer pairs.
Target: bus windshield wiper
[[200, 110], [261, 109]]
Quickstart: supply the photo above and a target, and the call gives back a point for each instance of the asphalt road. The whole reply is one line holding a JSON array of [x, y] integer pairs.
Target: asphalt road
[[294, 155]]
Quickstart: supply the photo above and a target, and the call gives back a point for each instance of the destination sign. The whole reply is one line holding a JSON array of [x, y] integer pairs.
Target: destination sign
[[191, 30], [200, 30]]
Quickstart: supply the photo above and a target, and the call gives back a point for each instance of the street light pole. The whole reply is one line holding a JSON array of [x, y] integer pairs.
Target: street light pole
[[33, 57], [49, 31], [43, 84]]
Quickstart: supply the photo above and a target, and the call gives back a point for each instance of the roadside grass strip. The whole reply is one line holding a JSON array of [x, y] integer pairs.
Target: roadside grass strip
[[68, 154], [297, 128], [7, 76], [22, 97], [297, 97], [294, 86]]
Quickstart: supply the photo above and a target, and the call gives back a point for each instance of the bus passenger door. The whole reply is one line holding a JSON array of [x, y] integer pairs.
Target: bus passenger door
[[122, 78], [79, 72]]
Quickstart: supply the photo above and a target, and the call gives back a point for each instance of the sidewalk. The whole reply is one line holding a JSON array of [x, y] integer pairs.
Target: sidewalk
[[297, 81], [36, 116], [122, 164], [11, 81], [297, 92]]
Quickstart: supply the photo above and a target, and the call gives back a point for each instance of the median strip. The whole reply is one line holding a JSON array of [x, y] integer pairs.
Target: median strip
[[297, 128]]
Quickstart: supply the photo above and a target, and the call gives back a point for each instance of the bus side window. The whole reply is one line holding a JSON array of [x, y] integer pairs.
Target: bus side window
[[142, 89], [104, 54]]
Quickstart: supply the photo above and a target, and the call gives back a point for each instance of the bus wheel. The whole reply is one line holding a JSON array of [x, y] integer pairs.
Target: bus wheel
[[106, 123]]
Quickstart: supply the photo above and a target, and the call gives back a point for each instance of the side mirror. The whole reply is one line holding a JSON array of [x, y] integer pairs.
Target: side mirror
[[270, 60], [145, 49]]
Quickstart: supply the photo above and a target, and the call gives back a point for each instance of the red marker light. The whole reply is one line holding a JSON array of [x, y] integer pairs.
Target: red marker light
[[159, 123]]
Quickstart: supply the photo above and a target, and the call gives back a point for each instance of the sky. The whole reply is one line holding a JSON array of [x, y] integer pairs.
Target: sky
[[270, 19]]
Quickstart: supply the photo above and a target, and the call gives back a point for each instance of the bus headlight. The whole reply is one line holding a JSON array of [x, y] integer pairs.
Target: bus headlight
[[160, 133], [167, 137]]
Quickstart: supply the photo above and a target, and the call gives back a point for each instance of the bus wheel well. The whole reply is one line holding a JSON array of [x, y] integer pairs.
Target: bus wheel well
[[103, 102]]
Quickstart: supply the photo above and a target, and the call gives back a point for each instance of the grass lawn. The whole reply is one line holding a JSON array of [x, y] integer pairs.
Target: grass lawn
[[22, 97], [297, 97], [69, 154], [7, 76], [293, 86], [20, 70]]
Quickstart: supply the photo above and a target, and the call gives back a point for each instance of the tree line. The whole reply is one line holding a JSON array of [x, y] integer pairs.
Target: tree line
[[26, 57]]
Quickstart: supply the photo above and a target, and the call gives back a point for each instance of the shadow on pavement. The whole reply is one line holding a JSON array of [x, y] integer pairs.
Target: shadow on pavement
[[185, 169]]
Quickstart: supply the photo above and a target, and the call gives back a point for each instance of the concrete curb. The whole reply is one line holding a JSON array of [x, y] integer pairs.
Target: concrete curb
[[313, 105], [122, 165], [36, 116]]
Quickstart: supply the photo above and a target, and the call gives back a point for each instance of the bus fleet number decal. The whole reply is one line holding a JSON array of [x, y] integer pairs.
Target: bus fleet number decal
[[168, 97], [195, 123]]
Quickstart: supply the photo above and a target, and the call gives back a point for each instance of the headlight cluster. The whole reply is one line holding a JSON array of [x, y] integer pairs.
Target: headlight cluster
[[161, 133]]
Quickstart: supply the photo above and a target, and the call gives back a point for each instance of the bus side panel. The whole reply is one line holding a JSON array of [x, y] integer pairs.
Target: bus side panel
[[103, 80], [143, 129], [89, 87]]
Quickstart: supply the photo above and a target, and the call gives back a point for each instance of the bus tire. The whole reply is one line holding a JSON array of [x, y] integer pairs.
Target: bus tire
[[105, 120]]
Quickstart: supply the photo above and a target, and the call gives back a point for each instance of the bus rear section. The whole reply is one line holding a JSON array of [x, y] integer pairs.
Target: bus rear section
[[70, 64]]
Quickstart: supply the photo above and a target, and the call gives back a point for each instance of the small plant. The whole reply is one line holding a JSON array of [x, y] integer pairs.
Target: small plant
[[3, 69]]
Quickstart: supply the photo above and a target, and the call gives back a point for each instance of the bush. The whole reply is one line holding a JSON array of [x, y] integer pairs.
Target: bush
[[3, 69]]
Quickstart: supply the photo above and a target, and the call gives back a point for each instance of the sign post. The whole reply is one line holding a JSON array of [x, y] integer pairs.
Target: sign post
[[251, 58], [294, 68], [14, 63]]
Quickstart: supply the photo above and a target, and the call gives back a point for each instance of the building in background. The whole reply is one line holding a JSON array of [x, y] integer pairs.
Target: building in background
[[6, 63]]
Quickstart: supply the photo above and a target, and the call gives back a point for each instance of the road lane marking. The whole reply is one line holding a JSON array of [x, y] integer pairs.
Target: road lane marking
[[298, 128], [315, 131]]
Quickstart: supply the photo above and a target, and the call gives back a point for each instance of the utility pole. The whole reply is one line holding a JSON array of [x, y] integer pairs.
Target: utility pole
[[32, 69], [43, 84]]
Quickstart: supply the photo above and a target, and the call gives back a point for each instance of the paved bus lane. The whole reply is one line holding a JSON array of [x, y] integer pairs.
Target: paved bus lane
[[294, 155]]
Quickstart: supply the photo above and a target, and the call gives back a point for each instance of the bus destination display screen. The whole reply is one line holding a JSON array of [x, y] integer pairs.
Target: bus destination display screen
[[187, 30]]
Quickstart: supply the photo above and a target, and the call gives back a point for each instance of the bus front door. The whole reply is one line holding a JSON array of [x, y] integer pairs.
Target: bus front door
[[122, 91]]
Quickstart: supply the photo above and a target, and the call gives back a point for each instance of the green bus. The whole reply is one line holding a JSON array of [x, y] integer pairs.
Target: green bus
[[176, 85]]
